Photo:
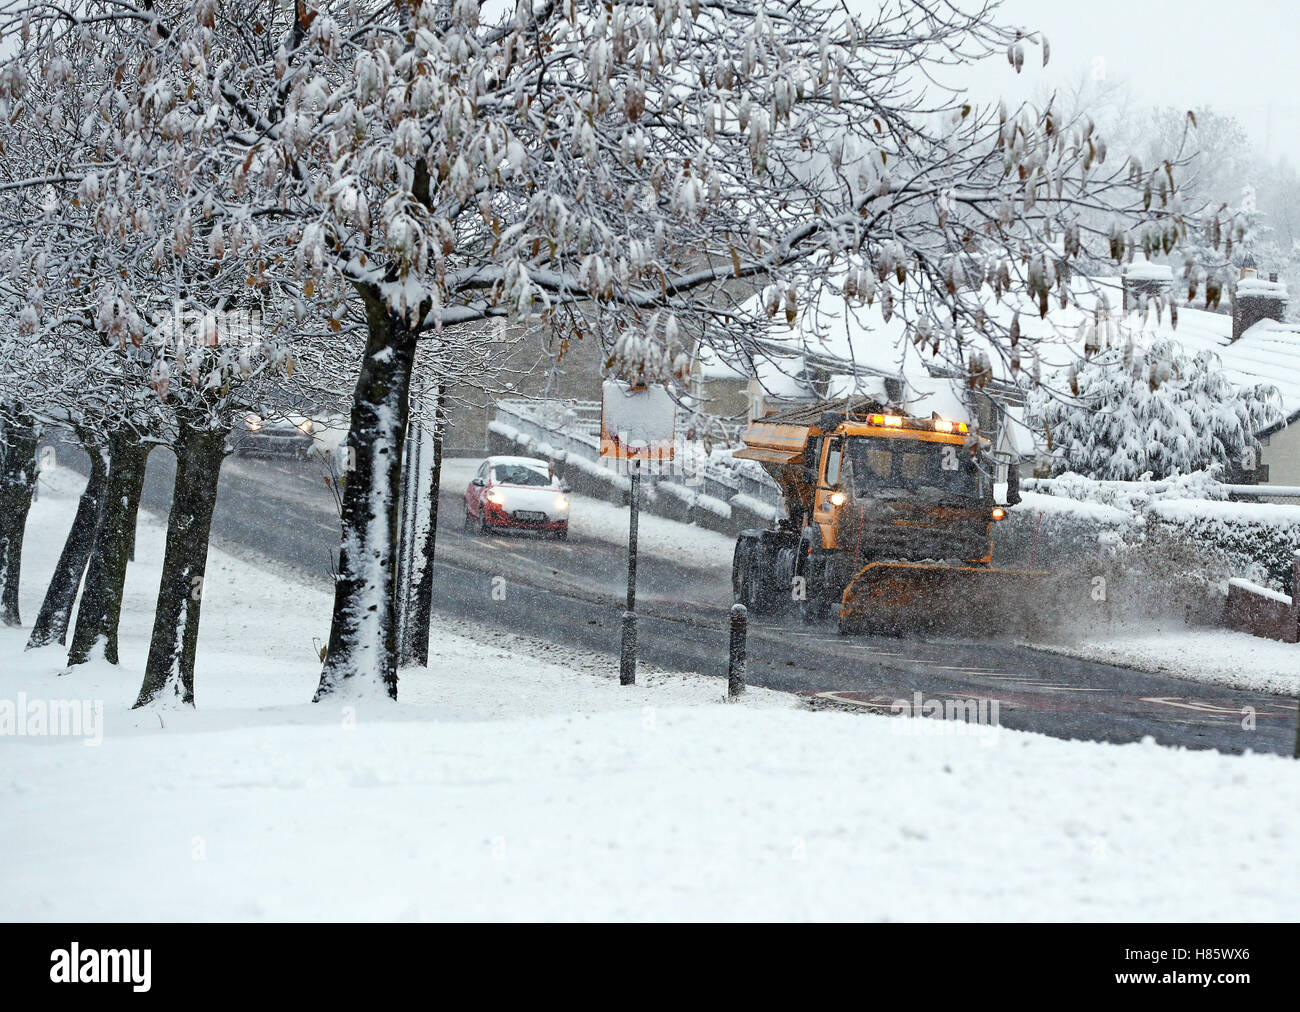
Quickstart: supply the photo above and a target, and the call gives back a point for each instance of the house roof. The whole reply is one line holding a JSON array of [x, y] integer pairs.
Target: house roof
[[833, 330]]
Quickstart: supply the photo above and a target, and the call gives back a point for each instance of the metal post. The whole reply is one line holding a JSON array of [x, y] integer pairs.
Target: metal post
[[627, 654], [406, 523], [736, 660], [418, 631]]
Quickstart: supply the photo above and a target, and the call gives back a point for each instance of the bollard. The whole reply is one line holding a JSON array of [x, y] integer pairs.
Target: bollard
[[627, 650], [736, 662]]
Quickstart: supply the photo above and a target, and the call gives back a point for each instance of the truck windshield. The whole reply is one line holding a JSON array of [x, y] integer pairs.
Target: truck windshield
[[879, 463]]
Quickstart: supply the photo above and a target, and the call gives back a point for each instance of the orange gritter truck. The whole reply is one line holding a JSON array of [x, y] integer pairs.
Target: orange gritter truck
[[890, 520]]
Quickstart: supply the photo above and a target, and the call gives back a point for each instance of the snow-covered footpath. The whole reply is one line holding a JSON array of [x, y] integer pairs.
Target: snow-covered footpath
[[1236, 660], [515, 782]]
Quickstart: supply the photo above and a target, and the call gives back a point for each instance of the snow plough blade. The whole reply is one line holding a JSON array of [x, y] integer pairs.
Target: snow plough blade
[[906, 597]]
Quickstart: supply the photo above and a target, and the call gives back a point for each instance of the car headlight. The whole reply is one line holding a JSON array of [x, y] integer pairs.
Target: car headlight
[[561, 504], [497, 498], [838, 498]]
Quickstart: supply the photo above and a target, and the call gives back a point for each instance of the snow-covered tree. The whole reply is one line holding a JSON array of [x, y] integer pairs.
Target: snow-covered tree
[[131, 264], [622, 171], [1153, 414], [19, 436]]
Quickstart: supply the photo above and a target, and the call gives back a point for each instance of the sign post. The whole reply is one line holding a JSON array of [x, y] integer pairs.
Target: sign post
[[636, 425], [627, 648]]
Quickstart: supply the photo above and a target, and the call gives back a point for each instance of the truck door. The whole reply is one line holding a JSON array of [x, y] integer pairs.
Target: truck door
[[829, 480]]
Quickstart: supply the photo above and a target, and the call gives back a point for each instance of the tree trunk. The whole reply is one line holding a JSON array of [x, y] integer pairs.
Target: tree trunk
[[101, 598], [18, 473], [56, 610], [361, 659], [169, 671], [423, 617]]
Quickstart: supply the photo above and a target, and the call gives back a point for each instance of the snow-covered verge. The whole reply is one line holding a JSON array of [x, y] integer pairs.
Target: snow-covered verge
[[508, 786], [1212, 656], [595, 519]]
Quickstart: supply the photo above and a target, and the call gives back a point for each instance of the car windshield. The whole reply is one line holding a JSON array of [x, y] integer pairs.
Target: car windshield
[[520, 474], [879, 463]]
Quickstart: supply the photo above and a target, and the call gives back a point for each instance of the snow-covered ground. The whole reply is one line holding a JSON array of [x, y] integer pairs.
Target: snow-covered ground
[[595, 519], [1212, 656], [510, 786]]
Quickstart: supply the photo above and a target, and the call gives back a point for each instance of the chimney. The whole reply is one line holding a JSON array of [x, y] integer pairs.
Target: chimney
[[1141, 277], [1256, 300]]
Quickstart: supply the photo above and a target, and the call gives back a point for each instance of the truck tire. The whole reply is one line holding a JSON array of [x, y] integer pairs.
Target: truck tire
[[747, 578], [814, 607]]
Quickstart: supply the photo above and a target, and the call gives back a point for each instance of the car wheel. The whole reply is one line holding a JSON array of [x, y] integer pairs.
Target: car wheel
[[562, 534], [483, 526], [469, 520]]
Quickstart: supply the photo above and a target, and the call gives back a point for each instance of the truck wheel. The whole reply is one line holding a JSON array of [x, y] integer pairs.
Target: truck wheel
[[747, 584], [752, 586], [812, 609]]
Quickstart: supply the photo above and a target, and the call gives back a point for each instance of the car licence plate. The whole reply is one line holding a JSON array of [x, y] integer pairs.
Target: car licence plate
[[530, 516]]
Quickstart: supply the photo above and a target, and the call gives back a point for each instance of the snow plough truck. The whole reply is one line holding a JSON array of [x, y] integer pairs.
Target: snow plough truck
[[890, 520]]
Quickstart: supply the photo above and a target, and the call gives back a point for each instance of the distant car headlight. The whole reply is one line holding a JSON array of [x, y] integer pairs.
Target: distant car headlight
[[838, 498], [306, 426], [561, 504], [496, 498], [254, 423]]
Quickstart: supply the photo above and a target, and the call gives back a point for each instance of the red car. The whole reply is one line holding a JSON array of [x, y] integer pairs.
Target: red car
[[520, 493]]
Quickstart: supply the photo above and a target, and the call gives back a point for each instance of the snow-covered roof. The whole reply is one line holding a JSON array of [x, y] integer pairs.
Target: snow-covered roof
[[852, 344], [1142, 269], [860, 339]]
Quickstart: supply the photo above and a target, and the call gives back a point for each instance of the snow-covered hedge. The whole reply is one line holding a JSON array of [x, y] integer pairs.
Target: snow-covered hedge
[[1051, 531], [1266, 535], [1184, 517], [1130, 496]]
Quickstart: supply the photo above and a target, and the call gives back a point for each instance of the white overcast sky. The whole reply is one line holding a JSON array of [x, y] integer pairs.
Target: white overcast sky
[[1241, 57]]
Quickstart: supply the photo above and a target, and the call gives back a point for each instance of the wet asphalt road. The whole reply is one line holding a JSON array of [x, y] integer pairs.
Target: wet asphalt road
[[571, 593]]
